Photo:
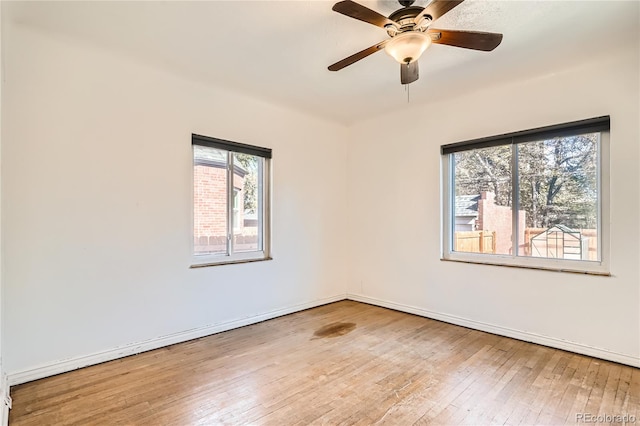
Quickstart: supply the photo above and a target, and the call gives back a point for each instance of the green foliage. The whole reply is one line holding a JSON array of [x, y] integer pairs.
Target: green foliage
[[487, 169], [557, 179], [250, 164]]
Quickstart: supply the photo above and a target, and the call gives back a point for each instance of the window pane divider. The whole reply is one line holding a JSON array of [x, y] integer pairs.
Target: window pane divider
[[515, 202], [230, 186]]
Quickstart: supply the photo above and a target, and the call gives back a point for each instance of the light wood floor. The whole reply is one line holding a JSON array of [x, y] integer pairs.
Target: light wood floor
[[343, 363]]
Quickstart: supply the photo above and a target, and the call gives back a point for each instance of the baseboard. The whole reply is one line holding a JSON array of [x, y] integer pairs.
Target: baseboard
[[63, 366], [504, 331]]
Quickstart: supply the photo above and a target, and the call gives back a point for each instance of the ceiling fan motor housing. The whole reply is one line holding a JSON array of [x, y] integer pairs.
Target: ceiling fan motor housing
[[406, 13], [405, 19]]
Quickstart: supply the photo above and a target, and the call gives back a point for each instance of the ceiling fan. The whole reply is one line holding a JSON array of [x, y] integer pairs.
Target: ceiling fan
[[410, 32]]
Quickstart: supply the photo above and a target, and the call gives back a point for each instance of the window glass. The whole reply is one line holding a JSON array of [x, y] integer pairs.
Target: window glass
[[210, 200], [482, 204], [246, 184], [558, 190]]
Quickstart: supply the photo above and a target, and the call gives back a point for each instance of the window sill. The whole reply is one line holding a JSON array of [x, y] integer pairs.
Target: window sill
[[228, 262], [540, 268]]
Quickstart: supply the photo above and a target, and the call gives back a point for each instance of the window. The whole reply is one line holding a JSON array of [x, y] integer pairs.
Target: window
[[230, 201], [236, 210], [536, 198]]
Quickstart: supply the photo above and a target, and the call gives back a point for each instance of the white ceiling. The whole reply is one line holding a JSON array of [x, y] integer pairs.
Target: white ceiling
[[280, 50]]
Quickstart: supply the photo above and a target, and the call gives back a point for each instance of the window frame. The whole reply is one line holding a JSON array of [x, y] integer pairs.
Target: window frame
[[264, 204], [593, 125]]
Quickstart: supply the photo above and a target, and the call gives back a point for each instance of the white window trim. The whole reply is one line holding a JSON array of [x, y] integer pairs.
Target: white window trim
[[601, 267], [264, 201]]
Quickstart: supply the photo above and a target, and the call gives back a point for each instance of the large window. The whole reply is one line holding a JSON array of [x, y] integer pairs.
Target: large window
[[536, 198], [230, 201]]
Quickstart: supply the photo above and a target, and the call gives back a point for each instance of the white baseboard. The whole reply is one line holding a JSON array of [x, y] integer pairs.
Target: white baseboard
[[504, 331], [63, 366]]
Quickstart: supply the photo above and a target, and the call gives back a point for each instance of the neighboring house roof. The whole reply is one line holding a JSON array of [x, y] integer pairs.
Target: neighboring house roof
[[209, 154], [206, 156], [467, 205]]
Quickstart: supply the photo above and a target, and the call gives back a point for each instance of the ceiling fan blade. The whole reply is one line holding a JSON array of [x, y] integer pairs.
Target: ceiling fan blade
[[357, 56], [409, 72], [357, 11], [476, 40], [437, 8]]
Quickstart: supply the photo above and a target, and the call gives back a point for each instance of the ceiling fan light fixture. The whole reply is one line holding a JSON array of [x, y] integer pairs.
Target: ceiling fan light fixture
[[408, 46]]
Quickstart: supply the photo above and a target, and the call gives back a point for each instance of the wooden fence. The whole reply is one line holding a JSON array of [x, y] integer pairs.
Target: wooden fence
[[485, 241], [592, 234], [475, 241]]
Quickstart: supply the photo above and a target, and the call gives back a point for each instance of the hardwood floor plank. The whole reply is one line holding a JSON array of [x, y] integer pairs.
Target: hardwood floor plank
[[377, 366]]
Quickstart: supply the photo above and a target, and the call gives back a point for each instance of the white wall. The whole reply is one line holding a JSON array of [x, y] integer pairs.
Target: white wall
[[4, 389], [96, 207], [395, 176], [96, 189]]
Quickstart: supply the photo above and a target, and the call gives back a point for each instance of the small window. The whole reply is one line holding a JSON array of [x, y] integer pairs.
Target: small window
[[536, 198], [230, 201]]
